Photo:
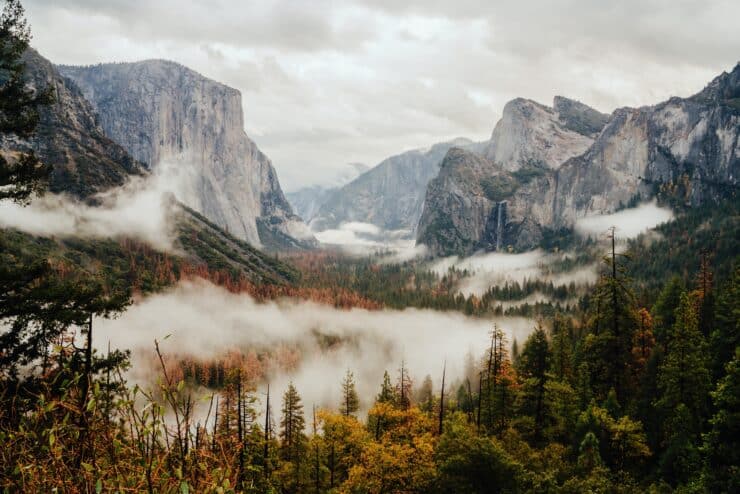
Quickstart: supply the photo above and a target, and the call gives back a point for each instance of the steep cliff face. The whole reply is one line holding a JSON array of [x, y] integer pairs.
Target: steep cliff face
[[533, 135], [390, 195], [68, 137], [162, 112], [690, 145]]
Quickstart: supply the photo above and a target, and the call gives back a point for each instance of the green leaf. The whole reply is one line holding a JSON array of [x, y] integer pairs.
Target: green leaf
[[184, 487], [99, 486], [52, 439], [87, 467]]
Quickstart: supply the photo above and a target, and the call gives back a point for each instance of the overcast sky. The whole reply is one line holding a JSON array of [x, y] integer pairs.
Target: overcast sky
[[327, 83]]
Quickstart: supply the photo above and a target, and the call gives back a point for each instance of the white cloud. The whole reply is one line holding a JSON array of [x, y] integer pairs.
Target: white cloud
[[497, 269], [364, 239], [628, 223], [142, 208]]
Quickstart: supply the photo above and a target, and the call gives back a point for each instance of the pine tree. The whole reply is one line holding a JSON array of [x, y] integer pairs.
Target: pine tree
[[350, 402], [386, 394], [725, 337], [664, 310], [292, 425], [19, 107], [683, 376], [722, 445], [562, 350], [533, 366], [613, 321], [425, 396]]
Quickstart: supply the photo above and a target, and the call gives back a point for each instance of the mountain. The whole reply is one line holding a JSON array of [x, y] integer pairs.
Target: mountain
[[390, 195], [164, 113], [68, 137], [537, 180], [85, 161], [306, 201]]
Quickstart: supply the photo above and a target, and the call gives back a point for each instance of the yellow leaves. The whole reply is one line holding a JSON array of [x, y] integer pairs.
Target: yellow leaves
[[403, 459]]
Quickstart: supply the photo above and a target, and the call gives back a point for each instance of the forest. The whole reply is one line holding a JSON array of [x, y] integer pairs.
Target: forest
[[634, 387]]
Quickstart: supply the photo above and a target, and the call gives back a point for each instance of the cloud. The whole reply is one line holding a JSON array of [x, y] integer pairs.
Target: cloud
[[365, 239], [206, 321], [327, 83], [628, 223], [142, 208], [497, 269]]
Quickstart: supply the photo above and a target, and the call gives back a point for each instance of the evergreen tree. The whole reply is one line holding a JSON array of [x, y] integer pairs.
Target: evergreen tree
[[24, 175], [386, 394], [683, 377], [562, 352], [725, 337], [664, 310], [722, 443], [613, 322], [350, 402], [534, 363], [292, 425]]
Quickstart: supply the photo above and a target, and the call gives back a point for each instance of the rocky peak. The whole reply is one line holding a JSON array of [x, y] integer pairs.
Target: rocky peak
[[163, 112], [725, 88], [532, 135], [579, 117]]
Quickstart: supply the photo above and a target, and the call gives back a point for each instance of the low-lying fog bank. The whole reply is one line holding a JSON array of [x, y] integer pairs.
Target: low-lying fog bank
[[316, 343]]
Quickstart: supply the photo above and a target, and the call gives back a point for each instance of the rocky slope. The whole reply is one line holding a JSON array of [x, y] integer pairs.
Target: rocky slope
[[306, 201], [164, 113], [686, 146], [69, 138], [390, 195]]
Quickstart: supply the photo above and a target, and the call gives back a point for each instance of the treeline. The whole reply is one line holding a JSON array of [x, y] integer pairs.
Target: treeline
[[410, 284]]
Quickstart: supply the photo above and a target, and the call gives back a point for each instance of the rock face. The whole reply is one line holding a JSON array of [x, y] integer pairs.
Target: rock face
[[533, 135], [390, 195], [84, 161], [164, 113], [306, 201], [549, 167]]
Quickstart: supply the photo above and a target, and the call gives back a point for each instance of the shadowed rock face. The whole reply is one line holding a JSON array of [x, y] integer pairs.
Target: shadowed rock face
[[162, 112], [553, 166], [68, 137]]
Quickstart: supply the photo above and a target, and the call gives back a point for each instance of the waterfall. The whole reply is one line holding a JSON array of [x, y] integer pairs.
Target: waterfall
[[500, 220]]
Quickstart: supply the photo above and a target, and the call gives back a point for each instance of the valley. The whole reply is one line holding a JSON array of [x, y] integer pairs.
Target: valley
[[551, 309]]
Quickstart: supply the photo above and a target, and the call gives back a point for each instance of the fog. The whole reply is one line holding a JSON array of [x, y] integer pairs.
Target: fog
[[362, 239], [142, 208], [206, 321], [628, 223], [498, 268]]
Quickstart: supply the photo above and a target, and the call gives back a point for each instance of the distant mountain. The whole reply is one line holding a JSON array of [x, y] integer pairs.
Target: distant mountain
[[84, 160], [306, 201], [545, 167], [390, 195], [163, 112]]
